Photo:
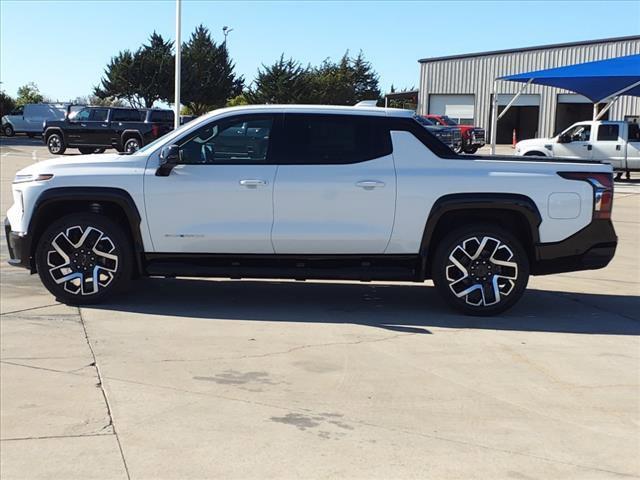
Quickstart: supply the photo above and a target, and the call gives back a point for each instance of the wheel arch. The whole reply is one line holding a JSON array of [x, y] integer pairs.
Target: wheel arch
[[514, 212], [51, 130], [114, 203]]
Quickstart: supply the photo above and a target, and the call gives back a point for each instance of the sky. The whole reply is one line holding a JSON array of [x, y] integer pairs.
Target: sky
[[63, 46]]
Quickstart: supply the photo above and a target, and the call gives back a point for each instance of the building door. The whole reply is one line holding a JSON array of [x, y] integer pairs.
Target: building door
[[459, 108], [523, 117], [573, 108]]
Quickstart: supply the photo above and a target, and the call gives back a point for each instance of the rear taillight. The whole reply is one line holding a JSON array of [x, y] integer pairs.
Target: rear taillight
[[602, 184], [155, 131]]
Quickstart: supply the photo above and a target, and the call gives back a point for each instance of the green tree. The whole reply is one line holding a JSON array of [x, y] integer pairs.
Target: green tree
[[286, 81], [237, 101], [7, 103], [102, 102], [140, 78], [29, 93], [208, 78]]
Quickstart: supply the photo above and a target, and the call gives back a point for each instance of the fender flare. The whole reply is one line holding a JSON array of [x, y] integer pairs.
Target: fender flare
[[49, 130], [117, 196], [131, 133], [513, 202]]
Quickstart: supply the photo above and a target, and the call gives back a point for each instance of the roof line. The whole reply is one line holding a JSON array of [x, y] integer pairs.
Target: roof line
[[528, 49]]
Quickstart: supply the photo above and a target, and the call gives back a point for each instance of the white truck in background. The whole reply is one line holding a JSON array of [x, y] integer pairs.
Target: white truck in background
[[617, 143]]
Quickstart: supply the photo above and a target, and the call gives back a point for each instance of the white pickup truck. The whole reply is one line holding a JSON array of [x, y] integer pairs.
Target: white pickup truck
[[617, 143], [300, 192]]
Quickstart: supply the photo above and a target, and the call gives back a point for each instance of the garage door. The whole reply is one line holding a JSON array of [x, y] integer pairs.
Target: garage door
[[458, 107], [522, 101]]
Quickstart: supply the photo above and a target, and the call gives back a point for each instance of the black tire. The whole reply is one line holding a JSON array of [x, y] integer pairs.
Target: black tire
[[8, 130], [534, 153], [99, 150], [482, 287], [55, 144], [86, 150], [471, 150], [132, 145], [95, 247]]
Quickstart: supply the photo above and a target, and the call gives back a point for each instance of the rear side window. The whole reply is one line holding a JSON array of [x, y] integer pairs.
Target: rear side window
[[161, 116], [126, 116], [334, 139], [634, 132], [608, 133]]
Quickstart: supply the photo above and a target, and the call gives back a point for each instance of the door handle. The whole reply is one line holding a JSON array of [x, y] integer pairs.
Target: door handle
[[589, 147], [252, 183], [104, 125], [370, 184], [83, 124], [618, 147]]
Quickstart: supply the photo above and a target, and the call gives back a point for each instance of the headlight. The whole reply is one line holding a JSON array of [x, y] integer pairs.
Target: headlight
[[32, 178]]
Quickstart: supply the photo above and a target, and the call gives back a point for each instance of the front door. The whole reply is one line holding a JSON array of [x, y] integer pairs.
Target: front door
[[335, 190], [219, 198], [577, 143]]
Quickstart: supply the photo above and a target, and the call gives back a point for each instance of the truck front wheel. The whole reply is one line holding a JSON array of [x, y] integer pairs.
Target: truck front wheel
[[55, 144], [84, 258], [480, 269]]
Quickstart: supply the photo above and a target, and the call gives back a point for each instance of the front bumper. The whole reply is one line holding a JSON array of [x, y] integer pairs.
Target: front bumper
[[591, 248], [19, 246]]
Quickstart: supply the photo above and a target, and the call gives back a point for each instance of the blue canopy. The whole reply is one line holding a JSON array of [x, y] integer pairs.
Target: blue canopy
[[595, 80]]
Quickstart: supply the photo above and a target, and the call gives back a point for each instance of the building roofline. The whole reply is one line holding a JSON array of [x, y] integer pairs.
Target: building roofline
[[528, 49]]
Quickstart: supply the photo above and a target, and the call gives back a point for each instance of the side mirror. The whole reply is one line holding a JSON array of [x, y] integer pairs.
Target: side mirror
[[169, 158]]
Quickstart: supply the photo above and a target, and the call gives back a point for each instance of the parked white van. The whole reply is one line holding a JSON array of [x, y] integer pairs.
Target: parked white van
[[30, 118]]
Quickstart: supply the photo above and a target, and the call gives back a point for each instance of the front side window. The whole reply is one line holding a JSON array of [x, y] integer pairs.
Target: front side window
[[334, 139], [18, 111], [608, 133], [81, 116], [232, 141], [580, 133]]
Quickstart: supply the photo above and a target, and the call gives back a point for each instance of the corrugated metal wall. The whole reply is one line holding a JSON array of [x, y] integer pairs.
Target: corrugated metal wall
[[475, 75]]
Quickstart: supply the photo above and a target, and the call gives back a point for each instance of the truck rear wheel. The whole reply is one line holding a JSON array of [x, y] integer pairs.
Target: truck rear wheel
[[84, 258], [132, 145], [480, 269]]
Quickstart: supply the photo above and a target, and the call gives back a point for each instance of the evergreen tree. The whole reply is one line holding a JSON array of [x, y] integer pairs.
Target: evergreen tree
[[286, 81]]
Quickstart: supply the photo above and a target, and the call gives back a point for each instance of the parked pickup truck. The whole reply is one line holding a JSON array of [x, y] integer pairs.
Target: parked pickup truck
[[309, 192], [617, 143], [92, 129], [473, 138], [450, 136]]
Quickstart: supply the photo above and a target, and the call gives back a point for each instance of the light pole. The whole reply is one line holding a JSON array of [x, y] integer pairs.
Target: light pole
[[176, 122], [225, 31]]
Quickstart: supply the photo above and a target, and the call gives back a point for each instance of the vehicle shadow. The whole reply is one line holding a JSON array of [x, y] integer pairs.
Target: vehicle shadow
[[402, 308]]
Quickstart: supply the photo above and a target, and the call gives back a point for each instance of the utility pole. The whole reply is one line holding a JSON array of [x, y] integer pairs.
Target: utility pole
[[178, 45], [225, 31]]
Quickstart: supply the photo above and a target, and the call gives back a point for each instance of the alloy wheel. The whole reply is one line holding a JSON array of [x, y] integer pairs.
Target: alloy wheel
[[83, 260], [132, 146], [482, 271], [54, 144]]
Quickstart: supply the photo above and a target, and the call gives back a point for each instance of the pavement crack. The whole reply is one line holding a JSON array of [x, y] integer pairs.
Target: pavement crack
[[47, 437], [104, 394], [34, 367]]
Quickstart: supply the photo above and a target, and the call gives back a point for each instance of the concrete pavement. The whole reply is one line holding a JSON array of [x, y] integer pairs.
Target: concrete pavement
[[194, 378]]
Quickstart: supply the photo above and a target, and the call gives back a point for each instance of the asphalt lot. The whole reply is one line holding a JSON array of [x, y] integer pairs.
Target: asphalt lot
[[192, 378]]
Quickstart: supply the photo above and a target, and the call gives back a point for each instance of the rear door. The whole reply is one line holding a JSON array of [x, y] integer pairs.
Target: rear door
[[335, 188], [609, 146]]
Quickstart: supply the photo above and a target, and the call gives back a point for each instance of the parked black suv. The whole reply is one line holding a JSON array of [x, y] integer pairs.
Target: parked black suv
[[93, 129]]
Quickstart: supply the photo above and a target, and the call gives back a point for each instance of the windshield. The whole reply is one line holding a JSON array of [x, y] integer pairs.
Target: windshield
[[448, 121], [425, 122]]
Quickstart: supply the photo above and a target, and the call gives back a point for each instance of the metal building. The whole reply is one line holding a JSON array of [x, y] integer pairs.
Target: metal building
[[461, 86]]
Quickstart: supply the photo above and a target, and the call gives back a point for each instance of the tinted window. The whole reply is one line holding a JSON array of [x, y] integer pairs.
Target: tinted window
[[608, 133], [99, 114], [634, 132], [82, 115], [233, 141], [17, 111], [126, 116], [161, 116], [334, 139]]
